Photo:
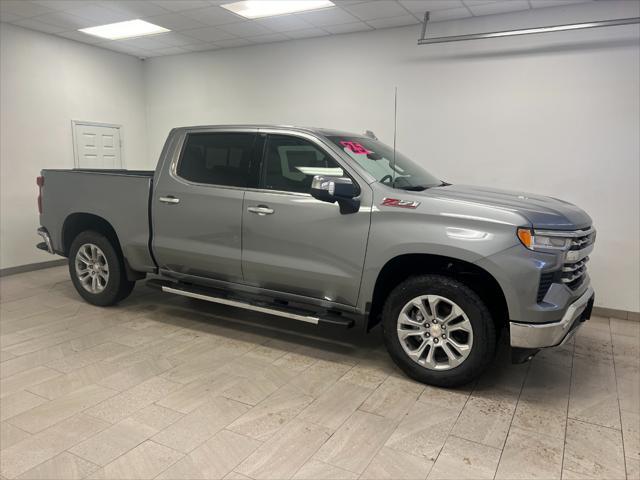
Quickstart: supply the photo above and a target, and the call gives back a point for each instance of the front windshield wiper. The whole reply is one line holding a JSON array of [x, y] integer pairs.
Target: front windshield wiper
[[415, 188], [420, 188]]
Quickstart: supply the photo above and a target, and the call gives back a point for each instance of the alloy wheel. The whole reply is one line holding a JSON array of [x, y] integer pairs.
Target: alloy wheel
[[92, 268], [435, 332]]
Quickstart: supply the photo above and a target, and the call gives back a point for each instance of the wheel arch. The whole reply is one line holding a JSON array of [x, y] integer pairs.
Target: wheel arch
[[79, 222], [401, 267]]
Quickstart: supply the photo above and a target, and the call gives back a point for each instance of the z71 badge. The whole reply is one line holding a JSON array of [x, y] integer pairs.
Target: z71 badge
[[397, 202]]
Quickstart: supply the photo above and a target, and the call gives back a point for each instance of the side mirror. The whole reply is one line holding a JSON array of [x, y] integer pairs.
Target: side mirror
[[336, 189]]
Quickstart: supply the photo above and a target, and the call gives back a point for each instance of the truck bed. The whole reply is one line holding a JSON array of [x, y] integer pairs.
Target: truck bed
[[121, 197]]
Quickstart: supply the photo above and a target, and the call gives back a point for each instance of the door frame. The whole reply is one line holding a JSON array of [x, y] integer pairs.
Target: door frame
[[76, 154]]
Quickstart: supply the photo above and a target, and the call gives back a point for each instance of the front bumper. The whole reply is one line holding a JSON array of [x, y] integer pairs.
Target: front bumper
[[541, 335]]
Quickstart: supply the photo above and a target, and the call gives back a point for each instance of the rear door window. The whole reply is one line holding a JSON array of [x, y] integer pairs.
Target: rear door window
[[226, 159]]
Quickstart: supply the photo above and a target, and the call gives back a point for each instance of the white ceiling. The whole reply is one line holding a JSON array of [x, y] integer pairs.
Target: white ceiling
[[198, 25]]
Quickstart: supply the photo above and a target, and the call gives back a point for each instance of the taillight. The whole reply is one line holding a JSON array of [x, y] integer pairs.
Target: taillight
[[40, 183]]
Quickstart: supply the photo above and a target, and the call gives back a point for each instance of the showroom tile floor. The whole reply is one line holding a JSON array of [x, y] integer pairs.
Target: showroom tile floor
[[163, 387]]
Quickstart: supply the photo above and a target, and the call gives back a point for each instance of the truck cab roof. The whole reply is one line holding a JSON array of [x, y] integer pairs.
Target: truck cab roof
[[323, 132]]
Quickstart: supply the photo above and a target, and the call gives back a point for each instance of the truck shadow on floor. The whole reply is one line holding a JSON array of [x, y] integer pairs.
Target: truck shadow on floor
[[324, 343]]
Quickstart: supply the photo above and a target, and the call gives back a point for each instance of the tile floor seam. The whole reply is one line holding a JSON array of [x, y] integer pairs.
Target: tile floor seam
[[45, 311], [161, 406], [161, 445], [55, 284], [54, 368], [15, 426], [98, 467], [211, 436], [44, 381], [478, 443], [77, 352], [566, 426], [337, 428], [64, 419], [40, 349], [466, 401], [513, 415], [56, 455], [383, 444], [240, 401], [615, 376], [99, 433], [595, 425], [322, 393], [135, 446], [114, 424], [25, 297], [224, 429], [55, 331], [581, 420], [33, 393], [360, 476]]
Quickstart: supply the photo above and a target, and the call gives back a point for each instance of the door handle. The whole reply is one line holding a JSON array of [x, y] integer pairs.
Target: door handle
[[261, 210], [169, 199]]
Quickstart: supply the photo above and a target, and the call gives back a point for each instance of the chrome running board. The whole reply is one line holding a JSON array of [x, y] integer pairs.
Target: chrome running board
[[245, 305]]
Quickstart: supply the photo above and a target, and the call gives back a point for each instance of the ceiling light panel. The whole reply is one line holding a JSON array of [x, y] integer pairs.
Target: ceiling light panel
[[128, 29], [268, 8]]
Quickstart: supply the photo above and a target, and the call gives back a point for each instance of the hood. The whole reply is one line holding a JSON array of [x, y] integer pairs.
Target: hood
[[542, 212]]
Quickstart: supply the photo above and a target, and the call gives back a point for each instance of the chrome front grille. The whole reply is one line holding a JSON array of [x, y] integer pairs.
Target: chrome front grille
[[572, 274], [582, 238]]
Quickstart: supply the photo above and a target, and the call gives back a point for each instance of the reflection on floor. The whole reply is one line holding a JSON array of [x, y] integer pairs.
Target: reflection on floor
[[163, 387]]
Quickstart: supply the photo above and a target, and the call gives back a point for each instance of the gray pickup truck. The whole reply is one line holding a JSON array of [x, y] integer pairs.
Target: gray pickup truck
[[334, 228]]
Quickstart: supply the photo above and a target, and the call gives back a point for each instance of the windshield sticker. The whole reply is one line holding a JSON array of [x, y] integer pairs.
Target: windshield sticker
[[355, 147]]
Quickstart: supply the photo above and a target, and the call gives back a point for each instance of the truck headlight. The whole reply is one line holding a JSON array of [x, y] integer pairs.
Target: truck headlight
[[543, 241]]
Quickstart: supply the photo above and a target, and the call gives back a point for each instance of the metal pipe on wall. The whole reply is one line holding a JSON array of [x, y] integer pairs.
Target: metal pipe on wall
[[523, 31]]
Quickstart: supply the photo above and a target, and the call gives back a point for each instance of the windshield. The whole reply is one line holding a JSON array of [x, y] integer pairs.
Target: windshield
[[377, 159]]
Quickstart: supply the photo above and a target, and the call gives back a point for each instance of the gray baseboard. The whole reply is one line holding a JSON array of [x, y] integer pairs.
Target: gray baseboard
[[4, 272], [612, 312]]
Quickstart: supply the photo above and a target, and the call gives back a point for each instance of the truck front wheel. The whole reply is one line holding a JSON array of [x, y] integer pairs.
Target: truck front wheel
[[97, 270], [438, 330]]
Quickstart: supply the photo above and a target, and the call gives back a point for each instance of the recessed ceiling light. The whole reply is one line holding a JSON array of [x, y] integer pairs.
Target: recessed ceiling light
[[128, 29], [269, 8]]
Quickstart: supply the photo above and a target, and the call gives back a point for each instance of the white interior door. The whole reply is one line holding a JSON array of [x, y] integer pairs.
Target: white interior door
[[97, 146]]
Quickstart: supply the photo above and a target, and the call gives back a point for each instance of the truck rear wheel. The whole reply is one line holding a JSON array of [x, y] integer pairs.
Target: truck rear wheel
[[438, 330], [97, 270]]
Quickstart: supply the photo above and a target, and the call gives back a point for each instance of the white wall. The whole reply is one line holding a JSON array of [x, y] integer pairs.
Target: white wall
[[45, 82], [555, 114]]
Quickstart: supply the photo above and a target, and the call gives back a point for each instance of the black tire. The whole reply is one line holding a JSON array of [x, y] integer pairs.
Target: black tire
[[484, 335], [117, 287]]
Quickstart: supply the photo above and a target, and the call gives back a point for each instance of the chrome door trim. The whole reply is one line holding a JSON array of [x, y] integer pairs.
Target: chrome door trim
[[327, 147]]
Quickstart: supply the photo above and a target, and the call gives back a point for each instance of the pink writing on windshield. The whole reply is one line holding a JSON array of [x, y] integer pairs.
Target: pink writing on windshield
[[355, 147]]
